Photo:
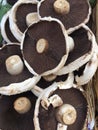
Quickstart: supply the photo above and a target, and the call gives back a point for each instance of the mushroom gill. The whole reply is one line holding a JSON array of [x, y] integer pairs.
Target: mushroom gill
[[72, 99], [10, 119], [48, 50], [72, 13]]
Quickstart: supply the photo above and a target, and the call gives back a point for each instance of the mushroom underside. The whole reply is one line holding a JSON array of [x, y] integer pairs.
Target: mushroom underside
[[74, 97], [56, 50], [5, 77], [83, 45], [79, 11], [21, 14], [10, 119], [9, 33]]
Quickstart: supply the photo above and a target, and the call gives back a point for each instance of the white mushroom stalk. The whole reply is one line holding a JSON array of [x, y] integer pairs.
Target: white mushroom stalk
[[61, 6], [55, 100], [71, 43], [50, 77], [22, 105], [42, 45], [66, 114], [31, 18], [14, 65]]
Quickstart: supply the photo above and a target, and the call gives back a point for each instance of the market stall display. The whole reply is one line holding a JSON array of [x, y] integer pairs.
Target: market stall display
[[48, 58]]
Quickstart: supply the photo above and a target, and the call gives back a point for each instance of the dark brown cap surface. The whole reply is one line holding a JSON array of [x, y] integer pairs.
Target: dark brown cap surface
[[9, 33], [49, 59], [21, 14], [10, 119], [79, 10], [82, 45], [70, 96], [5, 77]]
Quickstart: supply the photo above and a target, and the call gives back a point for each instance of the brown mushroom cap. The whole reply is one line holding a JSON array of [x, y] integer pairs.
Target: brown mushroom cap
[[5, 29], [10, 119], [21, 13], [72, 96], [18, 15], [6, 78], [53, 56], [84, 46], [79, 13], [9, 33]]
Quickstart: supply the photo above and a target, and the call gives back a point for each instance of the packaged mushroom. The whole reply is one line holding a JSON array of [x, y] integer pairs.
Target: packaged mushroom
[[63, 106], [14, 76]]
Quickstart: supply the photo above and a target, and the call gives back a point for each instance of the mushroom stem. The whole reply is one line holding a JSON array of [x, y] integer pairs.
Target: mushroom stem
[[31, 17], [50, 77], [22, 105], [70, 43], [55, 100], [14, 65], [61, 6], [66, 114], [42, 45]]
